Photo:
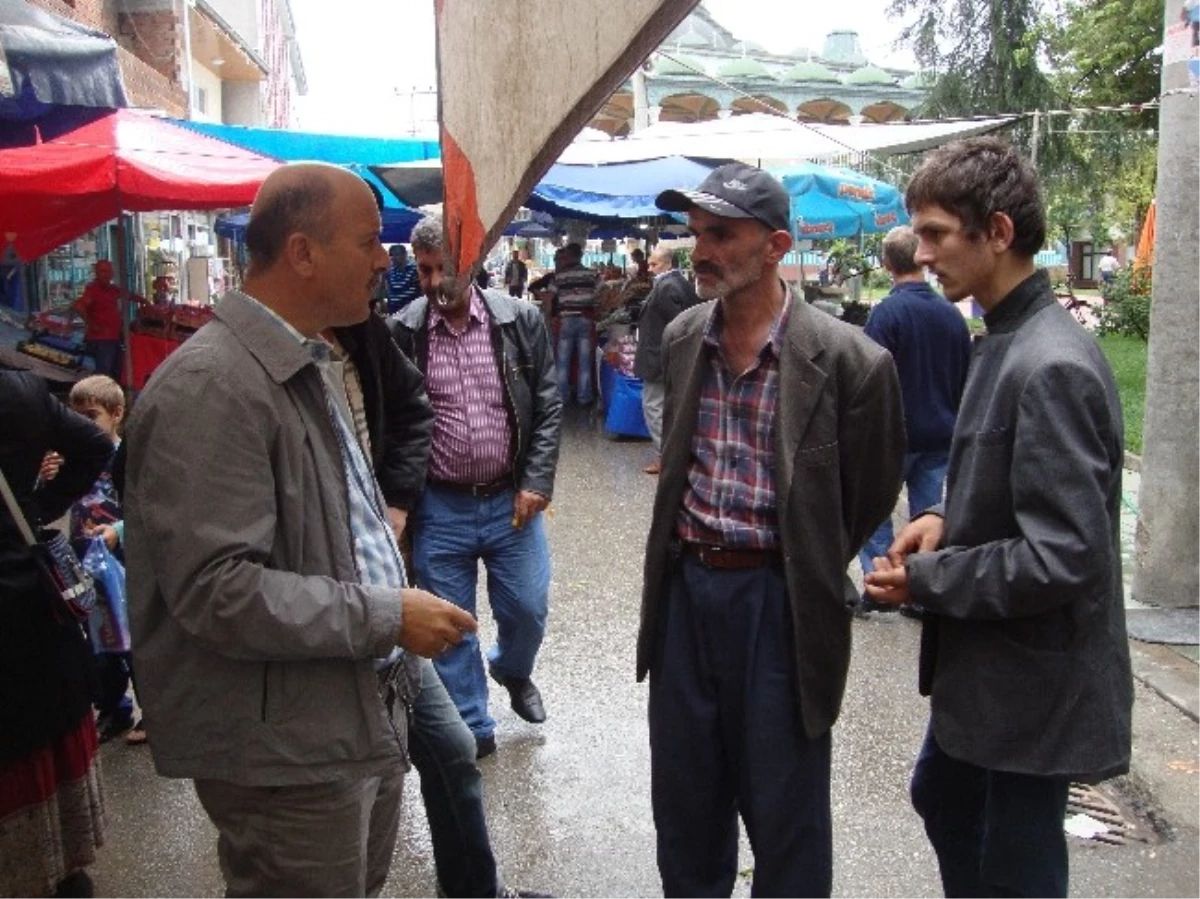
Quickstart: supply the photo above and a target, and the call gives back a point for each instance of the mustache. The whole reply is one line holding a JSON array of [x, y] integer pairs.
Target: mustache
[[707, 268]]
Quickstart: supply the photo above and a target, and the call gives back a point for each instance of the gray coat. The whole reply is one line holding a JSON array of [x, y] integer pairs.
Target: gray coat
[[253, 642], [1026, 660], [671, 294], [840, 451]]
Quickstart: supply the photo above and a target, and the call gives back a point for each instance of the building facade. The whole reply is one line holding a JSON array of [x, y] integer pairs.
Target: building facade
[[702, 71]]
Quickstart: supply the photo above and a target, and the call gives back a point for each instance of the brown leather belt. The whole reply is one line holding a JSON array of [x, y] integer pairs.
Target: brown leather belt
[[480, 491], [725, 558]]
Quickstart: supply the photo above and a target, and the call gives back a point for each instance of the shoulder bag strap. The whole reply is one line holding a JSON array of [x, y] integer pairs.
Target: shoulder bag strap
[[15, 510]]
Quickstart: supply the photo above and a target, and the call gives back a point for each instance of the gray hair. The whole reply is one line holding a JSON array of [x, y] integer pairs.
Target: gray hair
[[426, 237], [900, 250]]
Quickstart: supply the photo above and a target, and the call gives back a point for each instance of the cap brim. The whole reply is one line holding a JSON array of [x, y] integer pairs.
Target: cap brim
[[685, 200]]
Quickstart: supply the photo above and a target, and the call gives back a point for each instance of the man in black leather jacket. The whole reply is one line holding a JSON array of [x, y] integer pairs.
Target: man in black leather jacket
[[490, 376]]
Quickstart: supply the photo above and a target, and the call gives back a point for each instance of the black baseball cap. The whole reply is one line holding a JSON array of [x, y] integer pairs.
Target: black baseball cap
[[735, 191]]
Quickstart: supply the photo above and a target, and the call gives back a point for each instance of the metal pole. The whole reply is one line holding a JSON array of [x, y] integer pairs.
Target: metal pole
[[1168, 567], [1033, 149]]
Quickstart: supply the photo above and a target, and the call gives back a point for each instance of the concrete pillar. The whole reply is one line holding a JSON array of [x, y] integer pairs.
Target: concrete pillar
[[1168, 567]]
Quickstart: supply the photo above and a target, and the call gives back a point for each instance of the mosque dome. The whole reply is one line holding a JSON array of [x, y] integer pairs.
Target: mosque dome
[[869, 74], [665, 66], [743, 68], [809, 71]]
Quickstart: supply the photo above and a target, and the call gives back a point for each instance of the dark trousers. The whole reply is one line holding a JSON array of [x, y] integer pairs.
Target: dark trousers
[[114, 670], [106, 354], [725, 738], [995, 833]]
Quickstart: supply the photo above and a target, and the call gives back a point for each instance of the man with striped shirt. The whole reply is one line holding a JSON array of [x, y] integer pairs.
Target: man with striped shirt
[[489, 372], [575, 297], [783, 439]]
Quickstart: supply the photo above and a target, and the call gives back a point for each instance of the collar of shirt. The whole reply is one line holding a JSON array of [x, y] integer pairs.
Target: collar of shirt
[[716, 324], [475, 312]]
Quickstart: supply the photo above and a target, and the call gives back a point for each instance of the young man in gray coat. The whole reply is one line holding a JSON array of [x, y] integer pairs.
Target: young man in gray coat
[[267, 596], [1024, 653]]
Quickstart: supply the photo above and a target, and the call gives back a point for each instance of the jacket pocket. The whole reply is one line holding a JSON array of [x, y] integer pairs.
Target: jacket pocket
[[815, 456]]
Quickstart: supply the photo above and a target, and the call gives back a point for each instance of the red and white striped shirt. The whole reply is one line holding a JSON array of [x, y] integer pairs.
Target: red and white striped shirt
[[472, 436]]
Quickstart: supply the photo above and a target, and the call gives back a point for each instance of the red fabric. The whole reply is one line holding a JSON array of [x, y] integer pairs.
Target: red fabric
[[75, 174], [146, 353], [32, 779], [101, 310]]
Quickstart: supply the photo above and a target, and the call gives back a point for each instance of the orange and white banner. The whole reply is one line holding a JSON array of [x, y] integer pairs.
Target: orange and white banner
[[517, 80]]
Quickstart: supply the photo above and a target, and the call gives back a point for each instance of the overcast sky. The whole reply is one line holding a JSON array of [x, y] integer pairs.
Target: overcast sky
[[370, 63]]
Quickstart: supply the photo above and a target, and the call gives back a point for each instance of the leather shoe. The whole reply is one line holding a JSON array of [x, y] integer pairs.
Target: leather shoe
[[526, 698], [654, 467], [484, 746]]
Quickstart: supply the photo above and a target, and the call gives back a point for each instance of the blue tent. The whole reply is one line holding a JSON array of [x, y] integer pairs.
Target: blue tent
[[835, 202], [355, 153]]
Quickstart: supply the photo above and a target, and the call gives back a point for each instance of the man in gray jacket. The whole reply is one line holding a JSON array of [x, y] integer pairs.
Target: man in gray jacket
[[1024, 653], [267, 594]]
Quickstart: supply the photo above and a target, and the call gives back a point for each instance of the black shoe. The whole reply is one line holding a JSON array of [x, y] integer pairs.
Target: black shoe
[[912, 611], [526, 699], [484, 746], [77, 886], [107, 727]]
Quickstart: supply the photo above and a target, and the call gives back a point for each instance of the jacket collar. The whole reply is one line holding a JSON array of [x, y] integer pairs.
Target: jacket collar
[[500, 307], [268, 341], [1028, 297]]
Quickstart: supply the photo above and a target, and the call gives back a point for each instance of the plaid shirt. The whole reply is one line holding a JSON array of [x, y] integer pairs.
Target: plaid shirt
[[730, 496], [472, 437]]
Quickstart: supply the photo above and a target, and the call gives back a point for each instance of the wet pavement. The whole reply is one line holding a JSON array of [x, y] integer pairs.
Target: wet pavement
[[568, 801]]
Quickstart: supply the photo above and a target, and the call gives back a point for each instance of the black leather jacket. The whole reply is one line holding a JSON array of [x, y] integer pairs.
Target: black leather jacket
[[525, 356]]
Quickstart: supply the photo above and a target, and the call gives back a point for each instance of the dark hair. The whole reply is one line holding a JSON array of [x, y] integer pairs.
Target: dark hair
[[974, 178], [637, 254], [426, 237], [575, 251], [303, 207], [899, 251]]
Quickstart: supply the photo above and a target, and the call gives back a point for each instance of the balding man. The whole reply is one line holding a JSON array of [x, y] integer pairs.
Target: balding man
[[266, 588], [670, 295]]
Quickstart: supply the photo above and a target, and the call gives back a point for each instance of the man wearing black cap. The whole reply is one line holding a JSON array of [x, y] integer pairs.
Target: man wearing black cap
[[783, 442]]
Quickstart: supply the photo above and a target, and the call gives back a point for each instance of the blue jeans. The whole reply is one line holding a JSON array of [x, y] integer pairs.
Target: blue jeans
[[575, 334], [924, 475], [451, 532], [995, 833], [726, 737], [443, 752]]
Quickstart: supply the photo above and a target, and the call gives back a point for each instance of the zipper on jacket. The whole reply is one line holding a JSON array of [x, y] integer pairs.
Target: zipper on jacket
[[266, 674]]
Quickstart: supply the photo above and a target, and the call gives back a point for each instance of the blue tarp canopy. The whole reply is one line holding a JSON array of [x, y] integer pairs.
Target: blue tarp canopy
[[589, 192], [358, 154], [397, 225], [832, 202]]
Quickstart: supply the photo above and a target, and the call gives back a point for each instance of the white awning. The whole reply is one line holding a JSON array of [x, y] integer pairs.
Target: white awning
[[761, 137]]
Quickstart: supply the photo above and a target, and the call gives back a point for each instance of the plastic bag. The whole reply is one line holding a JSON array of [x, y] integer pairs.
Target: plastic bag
[[108, 624]]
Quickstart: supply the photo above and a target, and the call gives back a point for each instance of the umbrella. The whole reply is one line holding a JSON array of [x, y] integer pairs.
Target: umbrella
[[836, 202], [529, 229], [46, 59], [78, 168], [1145, 245]]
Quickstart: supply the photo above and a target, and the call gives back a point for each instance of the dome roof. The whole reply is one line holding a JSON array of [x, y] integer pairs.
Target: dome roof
[[743, 68], [664, 66], [809, 71], [919, 81], [869, 74]]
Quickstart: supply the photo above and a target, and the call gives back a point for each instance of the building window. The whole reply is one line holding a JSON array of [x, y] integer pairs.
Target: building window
[[201, 100]]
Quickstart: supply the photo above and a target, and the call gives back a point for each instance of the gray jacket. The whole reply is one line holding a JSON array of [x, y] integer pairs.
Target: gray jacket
[[1027, 660], [839, 456], [671, 294], [253, 642]]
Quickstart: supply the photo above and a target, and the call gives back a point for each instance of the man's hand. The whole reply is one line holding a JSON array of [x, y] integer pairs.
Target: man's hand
[[526, 505], [921, 535], [105, 531], [51, 463], [431, 625], [398, 519], [888, 583]]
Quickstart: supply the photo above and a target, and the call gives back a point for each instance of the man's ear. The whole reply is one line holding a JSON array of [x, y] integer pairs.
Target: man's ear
[[299, 249], [1000, 231], [778, 245]]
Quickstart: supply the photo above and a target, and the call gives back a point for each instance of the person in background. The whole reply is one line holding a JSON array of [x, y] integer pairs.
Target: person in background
[[928, 338], [1024, 654], [1108, 266], [100, 308], [575, 292], [638, 285], [671, 294], [51, 796], [515, 275], [489, 371], [400, 283], [267, 597], [783, 438]]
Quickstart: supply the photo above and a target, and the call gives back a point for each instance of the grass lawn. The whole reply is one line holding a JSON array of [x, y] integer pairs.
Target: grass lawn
[[1127, 356]]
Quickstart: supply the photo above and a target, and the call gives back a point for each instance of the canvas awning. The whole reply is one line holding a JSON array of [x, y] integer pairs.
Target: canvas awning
[[78, 168], [760, 137]]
